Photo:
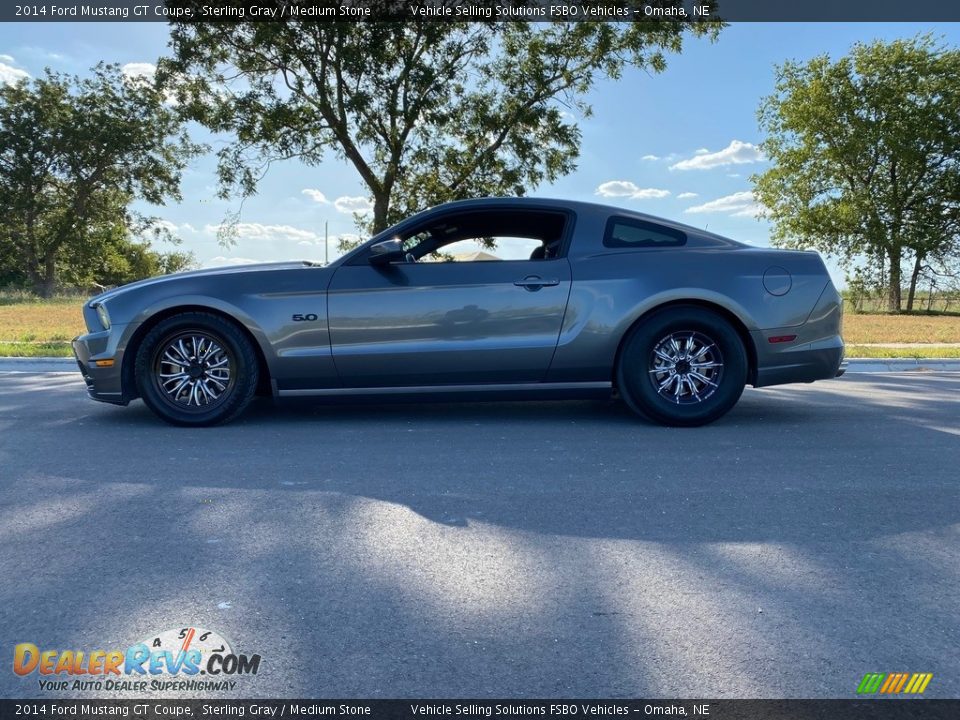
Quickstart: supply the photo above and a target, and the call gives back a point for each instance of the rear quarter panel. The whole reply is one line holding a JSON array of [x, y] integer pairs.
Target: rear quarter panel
[[614, 288]]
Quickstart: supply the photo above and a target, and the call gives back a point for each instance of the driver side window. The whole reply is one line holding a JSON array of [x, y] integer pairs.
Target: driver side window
[[487, 236], [486, 249]]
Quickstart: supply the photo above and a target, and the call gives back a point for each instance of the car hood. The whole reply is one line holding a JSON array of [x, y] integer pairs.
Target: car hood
[[207, 272]]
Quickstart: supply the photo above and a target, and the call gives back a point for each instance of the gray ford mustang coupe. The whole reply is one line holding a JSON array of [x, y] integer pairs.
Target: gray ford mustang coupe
[[573, 299]]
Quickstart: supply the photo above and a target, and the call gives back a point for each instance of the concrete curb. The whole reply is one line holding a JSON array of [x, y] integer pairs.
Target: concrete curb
[[882, 365], [854, 365], [38, 365]]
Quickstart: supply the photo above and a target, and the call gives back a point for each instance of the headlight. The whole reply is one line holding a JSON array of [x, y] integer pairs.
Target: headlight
[[104, 316]]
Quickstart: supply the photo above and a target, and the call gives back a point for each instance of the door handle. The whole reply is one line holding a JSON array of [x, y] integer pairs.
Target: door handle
[[535, 282]]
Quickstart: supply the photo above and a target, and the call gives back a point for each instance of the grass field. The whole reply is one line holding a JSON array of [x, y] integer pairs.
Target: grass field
[[38, 328], [859, 329], [930, 351], [34, 328], [28, 322]]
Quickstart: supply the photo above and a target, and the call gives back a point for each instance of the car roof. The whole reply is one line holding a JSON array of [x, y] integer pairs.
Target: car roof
[[580, 207]]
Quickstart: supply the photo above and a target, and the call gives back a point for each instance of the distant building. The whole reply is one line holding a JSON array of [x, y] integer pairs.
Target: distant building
[[474, 256]]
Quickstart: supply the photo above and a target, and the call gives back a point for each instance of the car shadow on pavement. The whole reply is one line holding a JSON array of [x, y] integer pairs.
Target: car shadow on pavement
[[506, 549]]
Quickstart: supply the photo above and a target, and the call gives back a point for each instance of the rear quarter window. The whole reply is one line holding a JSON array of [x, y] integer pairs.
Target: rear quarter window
[[629, 233]]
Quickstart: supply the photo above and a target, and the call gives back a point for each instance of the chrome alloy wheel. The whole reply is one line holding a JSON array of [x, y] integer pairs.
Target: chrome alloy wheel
[[193, 371], [686, 367]]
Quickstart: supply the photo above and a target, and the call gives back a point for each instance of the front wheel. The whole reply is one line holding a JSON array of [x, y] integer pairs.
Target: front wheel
[[683, 366], [196, 369]]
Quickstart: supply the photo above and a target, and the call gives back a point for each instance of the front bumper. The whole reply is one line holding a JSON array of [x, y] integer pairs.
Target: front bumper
[[103, 383]]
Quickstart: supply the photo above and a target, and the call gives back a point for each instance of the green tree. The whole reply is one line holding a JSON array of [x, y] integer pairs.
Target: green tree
[[132, 260], [866, 157], [424, 111], [118, 253], [74, 153]]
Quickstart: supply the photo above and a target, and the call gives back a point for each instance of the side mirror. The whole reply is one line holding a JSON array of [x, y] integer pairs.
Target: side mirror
[[386, 251]]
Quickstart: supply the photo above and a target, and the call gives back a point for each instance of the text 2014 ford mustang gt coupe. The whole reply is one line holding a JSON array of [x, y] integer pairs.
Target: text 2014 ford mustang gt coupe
[[598, 300]]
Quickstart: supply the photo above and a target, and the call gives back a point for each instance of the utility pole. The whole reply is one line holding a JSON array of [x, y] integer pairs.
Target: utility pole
[[326, 244]]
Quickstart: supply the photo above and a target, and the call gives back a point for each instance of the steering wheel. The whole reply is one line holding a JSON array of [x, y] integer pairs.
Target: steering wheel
[[409, 257]]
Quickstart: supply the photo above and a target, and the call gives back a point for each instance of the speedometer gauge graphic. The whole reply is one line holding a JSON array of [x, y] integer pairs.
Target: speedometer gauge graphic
[[189, 638]]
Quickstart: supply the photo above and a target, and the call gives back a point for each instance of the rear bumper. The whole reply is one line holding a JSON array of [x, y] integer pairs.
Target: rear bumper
[[820, 360], [103, 383], [815, 353]]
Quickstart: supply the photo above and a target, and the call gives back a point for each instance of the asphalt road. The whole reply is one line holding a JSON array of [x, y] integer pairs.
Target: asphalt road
[[500, 550]]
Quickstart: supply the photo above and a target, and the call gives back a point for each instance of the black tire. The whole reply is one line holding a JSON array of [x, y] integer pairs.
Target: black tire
[[223, 372], [657, 379]]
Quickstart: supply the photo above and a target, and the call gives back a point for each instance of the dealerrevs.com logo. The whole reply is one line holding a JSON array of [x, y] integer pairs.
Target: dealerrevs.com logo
[[187, 659]]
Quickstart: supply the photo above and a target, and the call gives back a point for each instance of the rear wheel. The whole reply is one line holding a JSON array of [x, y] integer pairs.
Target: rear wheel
[[683, 366], [196, 369]]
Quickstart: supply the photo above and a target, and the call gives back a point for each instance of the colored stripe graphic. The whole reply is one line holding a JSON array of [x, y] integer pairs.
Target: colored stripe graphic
[[903, 680], [927, 677], [870, 683], [915, 681], [894, 683]]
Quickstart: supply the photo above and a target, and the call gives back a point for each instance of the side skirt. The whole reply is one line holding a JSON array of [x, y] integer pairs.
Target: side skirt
[[503, 389]]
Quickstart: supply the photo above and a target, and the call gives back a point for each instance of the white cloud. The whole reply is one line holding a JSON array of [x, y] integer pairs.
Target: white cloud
[[139, 70], [736, 153], [650, 157], [38, 52], [350, 205], [170, 227], [627, 189], [686, 195], [10, 75], [7, 59], [315, 195], [144, 72], [268, 233], [753, 210], [740, 204], [220, 261]]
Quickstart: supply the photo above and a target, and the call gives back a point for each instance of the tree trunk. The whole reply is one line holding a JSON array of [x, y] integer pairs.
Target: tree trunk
[[381, 204], [914, 276], [45, 284], [893, 284]]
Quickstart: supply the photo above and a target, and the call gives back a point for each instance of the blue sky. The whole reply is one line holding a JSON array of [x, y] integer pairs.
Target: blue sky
[[679, 144]]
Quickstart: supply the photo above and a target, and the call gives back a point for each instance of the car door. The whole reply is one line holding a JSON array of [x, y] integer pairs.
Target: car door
[[446, 323]]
